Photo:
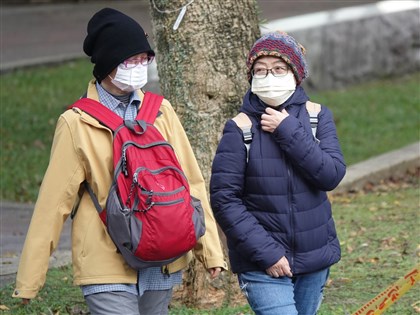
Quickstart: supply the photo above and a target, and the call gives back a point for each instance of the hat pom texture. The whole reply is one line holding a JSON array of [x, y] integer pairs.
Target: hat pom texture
[[280, 45], [112, 37]]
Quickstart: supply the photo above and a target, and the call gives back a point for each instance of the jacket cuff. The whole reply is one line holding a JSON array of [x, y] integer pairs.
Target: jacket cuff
[[24, 294], [216, 262]]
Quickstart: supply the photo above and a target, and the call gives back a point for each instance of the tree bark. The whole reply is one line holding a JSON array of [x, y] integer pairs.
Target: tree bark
[[202, 71]]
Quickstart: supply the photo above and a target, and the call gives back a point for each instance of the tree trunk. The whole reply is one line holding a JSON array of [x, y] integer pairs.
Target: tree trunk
[[202, 72]]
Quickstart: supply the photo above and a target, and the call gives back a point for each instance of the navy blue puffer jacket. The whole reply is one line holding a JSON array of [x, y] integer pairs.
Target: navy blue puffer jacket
[[276, 204]]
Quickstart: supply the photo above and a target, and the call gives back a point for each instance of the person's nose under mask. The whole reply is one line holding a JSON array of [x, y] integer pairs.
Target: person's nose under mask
[[272, 90]]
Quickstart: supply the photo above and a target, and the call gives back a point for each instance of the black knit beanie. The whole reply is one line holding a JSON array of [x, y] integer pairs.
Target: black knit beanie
[[113, 37]]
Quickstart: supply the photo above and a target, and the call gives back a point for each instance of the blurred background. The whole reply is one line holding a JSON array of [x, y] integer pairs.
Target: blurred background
[[346, 40]]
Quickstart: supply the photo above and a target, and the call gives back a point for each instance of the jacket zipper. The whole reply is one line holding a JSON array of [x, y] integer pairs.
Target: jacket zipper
[[289, 197]]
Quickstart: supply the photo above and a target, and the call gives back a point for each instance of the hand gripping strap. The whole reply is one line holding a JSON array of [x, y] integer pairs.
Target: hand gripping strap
[[149, 107]]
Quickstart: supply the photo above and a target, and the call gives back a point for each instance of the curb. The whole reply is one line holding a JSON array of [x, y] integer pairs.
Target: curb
[[394, 164], [38, 61], [10, 265]]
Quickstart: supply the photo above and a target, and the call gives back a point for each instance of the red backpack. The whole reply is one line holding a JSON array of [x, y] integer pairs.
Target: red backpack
[[149, 214]]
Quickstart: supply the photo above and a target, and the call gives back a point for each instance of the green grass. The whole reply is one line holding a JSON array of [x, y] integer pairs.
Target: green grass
[[379, 234], [372, 118], [240, 310], [375, 117], [31, 101]]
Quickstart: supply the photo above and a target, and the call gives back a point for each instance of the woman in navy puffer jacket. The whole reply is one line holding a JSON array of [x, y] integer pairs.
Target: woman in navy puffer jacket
[[274, 208]]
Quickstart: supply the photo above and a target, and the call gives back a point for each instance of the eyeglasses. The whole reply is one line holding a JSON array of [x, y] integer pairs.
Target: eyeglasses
[[131, 63], [278, 71]]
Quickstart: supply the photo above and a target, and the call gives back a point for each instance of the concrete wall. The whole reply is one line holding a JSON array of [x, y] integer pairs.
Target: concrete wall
[[352, 45]]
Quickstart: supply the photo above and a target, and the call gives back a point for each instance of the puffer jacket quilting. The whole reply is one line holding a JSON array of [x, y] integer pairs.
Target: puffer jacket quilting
[[276, 204]]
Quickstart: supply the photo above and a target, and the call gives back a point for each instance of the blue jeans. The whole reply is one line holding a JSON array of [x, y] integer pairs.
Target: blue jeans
[[283, 296]]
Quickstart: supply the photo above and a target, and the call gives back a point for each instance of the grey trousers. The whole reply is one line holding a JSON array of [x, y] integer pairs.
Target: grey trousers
[[118, 303]]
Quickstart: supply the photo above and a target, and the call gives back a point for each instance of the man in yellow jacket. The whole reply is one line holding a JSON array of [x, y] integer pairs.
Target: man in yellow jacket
[[82, 150]]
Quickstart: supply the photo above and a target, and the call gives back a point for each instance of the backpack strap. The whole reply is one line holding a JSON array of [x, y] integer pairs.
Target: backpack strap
[[106, 117], [313, 111], [244, 123], [100, 112], [85, 186], [150, 107]]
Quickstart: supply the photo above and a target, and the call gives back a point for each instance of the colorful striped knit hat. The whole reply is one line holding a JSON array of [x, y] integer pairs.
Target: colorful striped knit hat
[[281, 45]]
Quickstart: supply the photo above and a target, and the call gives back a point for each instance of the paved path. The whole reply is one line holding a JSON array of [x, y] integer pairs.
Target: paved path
[[14, 223]]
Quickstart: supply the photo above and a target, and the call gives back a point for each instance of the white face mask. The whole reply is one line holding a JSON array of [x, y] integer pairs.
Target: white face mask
[[130, 79], [272, 90]]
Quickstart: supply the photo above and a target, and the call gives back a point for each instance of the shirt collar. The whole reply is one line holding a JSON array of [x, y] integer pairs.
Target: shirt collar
[[111, 102]]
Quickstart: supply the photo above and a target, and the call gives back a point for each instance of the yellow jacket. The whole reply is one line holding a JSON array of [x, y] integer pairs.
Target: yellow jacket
[[82, 149]]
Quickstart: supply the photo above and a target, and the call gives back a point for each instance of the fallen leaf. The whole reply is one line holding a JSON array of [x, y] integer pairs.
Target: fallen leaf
[[359, 260], [4, 307], [416, 307]]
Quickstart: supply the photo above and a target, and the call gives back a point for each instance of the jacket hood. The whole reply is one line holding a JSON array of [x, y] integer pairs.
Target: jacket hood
[[253, 106]]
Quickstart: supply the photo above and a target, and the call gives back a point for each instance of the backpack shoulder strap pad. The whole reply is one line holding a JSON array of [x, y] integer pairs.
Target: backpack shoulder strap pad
[[245, 124], [98, 111], [149, 107], [313, 111]]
